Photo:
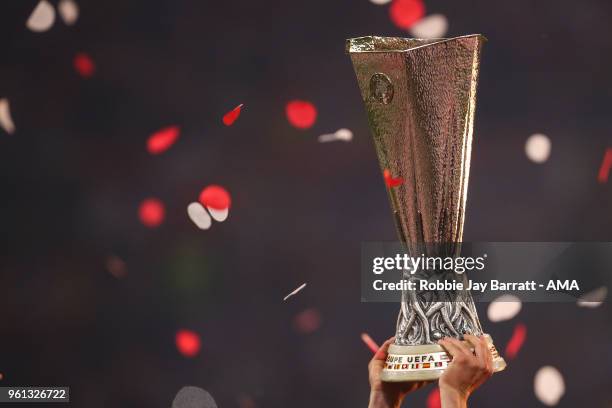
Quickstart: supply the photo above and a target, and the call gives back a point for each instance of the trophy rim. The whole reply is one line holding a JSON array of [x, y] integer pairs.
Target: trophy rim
[[375, 44]]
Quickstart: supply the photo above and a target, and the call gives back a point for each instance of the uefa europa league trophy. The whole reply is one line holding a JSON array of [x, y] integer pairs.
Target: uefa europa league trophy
[[420, 97]]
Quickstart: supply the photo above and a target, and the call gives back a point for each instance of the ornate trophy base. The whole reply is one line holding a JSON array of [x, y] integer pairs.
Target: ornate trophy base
[[424, 363]]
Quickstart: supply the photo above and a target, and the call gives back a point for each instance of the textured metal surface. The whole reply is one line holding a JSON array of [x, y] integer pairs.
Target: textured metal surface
[[423, 133]]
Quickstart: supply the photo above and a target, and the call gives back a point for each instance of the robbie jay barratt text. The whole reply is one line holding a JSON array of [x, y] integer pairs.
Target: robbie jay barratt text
[[494, 285]]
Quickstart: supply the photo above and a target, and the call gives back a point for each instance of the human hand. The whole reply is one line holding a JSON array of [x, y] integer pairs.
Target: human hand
[[466, 372], [387, 394]]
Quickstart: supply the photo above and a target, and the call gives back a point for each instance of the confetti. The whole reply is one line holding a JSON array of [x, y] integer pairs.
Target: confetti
[[69, 11], [187, 343], [218, 215], [503, 308], [1, 376], [302, 286], [6, 121], [516, 341], [151, 212], [340, 134], [365, 337], [549, 385], [163, 139], [199, 216], [42, 17], [433, 399], [116, 266], [307, 321], [380, 2], [594, 298], [193, 397], [537, 148], [301, 114], [604, 170], [84, 65], [230, 117], [390, 181], [215, 197], [432, 26], [405, 13]]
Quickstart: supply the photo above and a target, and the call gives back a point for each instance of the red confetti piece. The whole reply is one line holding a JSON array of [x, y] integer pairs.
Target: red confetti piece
[[230, 117], [604, 170], [188, 343], [516, 341], [151, 212], [215, 197], [390, 181], [84, 65], [301, 114], [405, 13], [307, 321], [163, 139], [369, 342], [433, 399]]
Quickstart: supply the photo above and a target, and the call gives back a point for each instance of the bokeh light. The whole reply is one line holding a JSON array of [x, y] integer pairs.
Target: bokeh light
[[152, 212], [405, 13], [504, 307], [42, 17], [197, 213], [163, 139], [230, 117], [188, 343], [301, 114], [549, 385], [84, 65], [69, 11], [594, 298], [6, 120], [215, 197], [433, 399], [307, 321], [432, 26], [519, 335], [538, 148]]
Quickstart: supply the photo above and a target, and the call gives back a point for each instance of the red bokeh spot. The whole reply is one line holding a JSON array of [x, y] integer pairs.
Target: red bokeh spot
[[604, 170], [433, 399], [516, 341], [404, 13], [84, 65], [188, 343], [230, 117], [151, 212], [365, 337], [307, 321], [163, 139], [301, 114], [390, 181], [215, 197]]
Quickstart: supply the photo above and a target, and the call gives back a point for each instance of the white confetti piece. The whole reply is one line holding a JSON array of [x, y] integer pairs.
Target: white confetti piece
[[594, 298], [549, 385], [6, 121], [341, 134], [380, 2], [503, 308], [302, 286], [538, 148], [218, 215], [432, 26], [197, 213], [69, 11], [42, 17]]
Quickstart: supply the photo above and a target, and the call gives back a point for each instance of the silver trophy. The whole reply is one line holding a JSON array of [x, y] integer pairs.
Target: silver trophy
[[420, 97]]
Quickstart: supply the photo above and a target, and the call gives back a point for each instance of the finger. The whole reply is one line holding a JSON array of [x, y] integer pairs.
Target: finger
[[488, 355], [478, 348], [465, 348], [381, 354], [451, 348]]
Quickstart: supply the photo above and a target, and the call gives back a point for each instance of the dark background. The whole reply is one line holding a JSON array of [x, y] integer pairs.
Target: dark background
[[76, 170]]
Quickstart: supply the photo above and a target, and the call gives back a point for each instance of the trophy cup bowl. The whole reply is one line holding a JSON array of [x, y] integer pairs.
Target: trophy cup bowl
[[420, 98]]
